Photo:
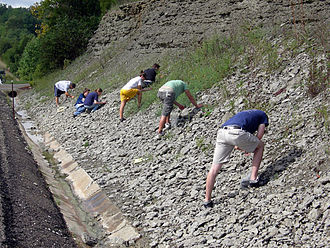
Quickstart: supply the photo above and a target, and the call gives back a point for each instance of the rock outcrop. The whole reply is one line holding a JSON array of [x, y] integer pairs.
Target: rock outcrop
[[153, 27]]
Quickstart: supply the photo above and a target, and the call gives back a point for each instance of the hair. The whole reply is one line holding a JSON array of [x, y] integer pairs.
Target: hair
[[156, 66], [86, 89], [73, 85], [99, 90], [142, 74]]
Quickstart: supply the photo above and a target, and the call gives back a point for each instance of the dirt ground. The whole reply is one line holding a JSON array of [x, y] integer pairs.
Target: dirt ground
[[29, 216]]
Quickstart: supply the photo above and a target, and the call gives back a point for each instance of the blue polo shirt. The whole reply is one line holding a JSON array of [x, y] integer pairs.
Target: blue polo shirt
[[90, 98], [248, 120]]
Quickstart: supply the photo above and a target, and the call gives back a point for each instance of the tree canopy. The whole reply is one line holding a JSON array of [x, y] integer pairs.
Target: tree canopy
[[49, 34], [16, 30]]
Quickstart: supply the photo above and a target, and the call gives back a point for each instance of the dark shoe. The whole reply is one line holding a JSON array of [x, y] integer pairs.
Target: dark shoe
[[88, 111], [246, 183], [208, 204], [254, 183], [122, 119]]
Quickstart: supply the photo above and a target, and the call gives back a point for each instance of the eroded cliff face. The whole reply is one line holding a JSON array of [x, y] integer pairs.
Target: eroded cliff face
[[151, 27]]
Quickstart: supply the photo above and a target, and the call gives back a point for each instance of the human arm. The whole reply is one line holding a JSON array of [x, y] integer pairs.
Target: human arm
[[261, 131], [68, 95], [192, 99], [179, 105], [96, 102]]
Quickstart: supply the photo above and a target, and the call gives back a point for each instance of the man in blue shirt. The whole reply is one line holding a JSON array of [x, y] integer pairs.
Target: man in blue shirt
[[237, 133], [92, 103]]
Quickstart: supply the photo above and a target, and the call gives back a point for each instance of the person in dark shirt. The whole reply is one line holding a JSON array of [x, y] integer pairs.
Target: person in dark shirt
[[79, 105], [150, 75], [92, 103], [237, 133]]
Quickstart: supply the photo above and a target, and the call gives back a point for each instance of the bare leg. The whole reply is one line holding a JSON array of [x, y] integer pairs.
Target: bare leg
[[121, 110], [161, 123], [56, 100], [168, 118], [211, 180], [257, 156]]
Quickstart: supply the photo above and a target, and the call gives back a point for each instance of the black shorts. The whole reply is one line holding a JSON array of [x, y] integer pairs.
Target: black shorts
[[58, 92]]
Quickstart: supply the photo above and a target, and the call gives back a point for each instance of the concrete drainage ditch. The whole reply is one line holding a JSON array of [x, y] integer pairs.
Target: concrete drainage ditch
[[90, 215]]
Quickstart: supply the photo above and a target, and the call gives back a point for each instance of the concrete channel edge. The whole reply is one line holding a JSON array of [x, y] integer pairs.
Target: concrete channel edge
[[93, 199]]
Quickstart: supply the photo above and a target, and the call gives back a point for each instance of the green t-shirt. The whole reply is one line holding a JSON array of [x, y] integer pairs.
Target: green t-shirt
[[178, 87]]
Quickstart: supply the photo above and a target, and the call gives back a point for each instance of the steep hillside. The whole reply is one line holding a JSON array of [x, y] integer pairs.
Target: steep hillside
[[162, 193]]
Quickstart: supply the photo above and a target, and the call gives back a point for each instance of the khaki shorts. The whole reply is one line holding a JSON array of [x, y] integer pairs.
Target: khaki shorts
[[167, 99], [227, 139], [128, 94]]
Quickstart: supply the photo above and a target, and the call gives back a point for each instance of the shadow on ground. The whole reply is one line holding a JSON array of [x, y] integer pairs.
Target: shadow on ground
[[183, 119], [275, 168]]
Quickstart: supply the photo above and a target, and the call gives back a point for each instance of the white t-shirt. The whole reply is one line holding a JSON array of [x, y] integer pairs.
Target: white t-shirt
[[63, 85], [133, 83]]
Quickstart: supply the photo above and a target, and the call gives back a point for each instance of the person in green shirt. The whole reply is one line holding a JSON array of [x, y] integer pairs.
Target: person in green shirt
[[168, 94]]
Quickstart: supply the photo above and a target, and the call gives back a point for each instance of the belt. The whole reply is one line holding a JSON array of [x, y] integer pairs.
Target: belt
[[232, 127]]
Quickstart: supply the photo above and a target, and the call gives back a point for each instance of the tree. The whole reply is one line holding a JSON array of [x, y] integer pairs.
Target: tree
[[64, 30]]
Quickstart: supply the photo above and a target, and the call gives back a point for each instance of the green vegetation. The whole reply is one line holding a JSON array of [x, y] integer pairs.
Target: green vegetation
[[49, 35], [16, 30], [49, 157], [323, 113]]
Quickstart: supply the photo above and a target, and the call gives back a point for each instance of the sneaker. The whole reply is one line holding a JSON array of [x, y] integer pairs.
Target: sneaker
[[208, 204], [122, 119], [254, 183], [167, 126], [159, 135], [246, 183], [88, 111]]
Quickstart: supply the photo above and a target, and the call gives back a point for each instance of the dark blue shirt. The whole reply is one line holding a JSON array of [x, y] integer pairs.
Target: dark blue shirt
[[80, 99], [150, 74], [90, 98], [248, 120]]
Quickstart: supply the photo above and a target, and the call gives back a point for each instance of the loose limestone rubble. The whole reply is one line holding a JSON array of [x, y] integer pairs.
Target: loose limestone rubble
[[162, 194]]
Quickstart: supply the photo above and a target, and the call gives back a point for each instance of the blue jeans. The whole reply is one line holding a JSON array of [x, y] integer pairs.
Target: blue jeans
[[79, 110], [93, 107]]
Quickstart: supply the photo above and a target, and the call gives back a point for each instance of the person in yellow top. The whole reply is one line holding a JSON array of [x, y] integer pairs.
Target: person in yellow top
[[129, 91]]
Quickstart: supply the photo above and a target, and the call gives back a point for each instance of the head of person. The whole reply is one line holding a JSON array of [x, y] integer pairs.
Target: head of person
[[156, 66], [142, 75], [72, 86], [86, 91], [99, 91]]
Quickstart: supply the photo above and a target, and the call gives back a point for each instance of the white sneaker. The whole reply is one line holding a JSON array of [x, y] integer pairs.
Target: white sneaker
[[167, 126], [159, 135]]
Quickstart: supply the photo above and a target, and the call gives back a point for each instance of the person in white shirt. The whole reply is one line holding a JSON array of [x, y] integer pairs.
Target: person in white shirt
[[62, 87], [129, 91]]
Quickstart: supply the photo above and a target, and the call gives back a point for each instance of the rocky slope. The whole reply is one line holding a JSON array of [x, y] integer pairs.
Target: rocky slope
[[162, 195]]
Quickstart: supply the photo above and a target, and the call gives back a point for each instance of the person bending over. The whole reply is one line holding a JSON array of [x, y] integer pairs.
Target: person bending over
[[237, 133], [62, 87], [168, 94], [129, 91]]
